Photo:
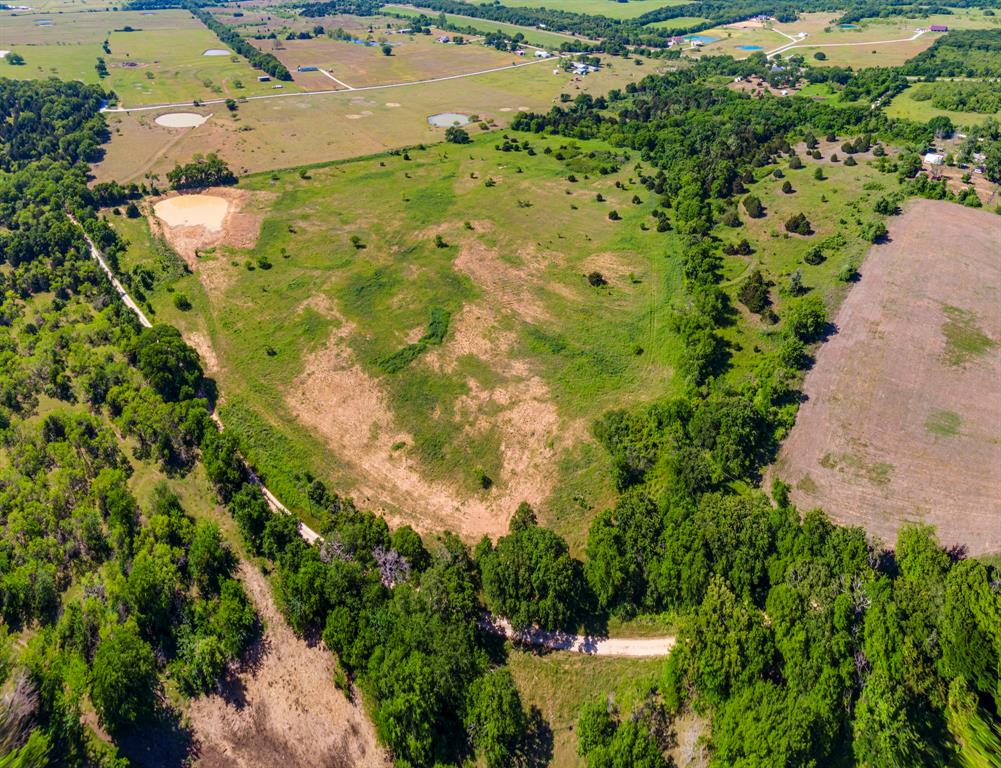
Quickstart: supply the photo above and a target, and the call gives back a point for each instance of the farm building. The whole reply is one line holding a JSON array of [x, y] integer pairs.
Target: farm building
[[939, 28], [542, 54], [934, 159], [263, 78]]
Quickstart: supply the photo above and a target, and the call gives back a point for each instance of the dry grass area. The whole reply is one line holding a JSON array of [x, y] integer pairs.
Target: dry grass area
[[903, 416], [415, 57], [282, 708], [285, 132]]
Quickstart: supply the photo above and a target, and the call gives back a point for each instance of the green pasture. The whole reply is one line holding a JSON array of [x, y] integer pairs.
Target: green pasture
[[534, 237], [839, 208], [158, 66], [68, 62], [680, 23], [905, 105]]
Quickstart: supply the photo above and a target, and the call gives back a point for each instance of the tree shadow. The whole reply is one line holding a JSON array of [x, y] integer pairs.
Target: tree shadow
[[160, 742], [537, 749]]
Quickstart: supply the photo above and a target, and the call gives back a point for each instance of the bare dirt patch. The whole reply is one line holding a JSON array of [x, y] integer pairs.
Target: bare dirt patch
[[281, 708], [349, 408], [903, 417], [239, 227], [509, 283]]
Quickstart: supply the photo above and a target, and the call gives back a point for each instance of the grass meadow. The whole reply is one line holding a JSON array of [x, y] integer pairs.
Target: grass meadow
[[904, 105], [559, 683], [529, 338]]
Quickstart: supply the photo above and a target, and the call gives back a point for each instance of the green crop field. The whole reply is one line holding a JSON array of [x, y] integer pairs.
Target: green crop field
[[308, 349]]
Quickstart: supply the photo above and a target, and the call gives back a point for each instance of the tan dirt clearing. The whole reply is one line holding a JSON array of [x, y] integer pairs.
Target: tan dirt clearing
[[282, 709], [190, 229], [349, 409], [903, 416]]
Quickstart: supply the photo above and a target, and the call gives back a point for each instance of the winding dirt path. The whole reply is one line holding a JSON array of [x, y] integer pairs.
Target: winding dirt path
[[556, 641]]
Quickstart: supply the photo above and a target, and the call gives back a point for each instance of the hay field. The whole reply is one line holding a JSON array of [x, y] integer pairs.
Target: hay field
[[903, 416], [279, 133]]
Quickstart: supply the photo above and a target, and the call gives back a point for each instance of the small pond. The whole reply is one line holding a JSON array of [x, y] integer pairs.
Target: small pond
[[448, 119]]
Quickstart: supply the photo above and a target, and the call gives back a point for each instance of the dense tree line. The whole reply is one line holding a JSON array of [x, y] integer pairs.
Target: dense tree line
[[112, 597], [961, 53], [202, 171], [961, 96]]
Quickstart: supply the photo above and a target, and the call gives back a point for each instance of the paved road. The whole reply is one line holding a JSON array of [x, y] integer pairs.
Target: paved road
[[557, 641], [347, 89]]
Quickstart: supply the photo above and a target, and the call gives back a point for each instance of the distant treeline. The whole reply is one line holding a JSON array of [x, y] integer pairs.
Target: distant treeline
[[259, 59]]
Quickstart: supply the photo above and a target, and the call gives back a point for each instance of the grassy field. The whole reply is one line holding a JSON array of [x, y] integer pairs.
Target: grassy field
[[161, 60], [850, 46], [527, 357], [278, 133], [679, 22], [154, 67], [559, 683], [904, 105], [532, 354]]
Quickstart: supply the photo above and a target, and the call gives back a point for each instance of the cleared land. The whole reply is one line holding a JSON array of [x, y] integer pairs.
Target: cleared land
[[299, 130], [903, 416], [281, 707]]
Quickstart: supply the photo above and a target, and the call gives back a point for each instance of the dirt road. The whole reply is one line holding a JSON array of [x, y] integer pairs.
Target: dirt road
[[557, 641]]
